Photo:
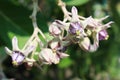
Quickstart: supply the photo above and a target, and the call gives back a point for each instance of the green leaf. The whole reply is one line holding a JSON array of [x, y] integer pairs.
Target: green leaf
[[48, 37], [75, 2], [9, 29], [65, 63], [21, 39], [17, 14]]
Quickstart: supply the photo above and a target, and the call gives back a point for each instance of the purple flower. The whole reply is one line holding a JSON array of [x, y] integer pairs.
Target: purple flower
[[103, 35], [97, 32], [96, 24], [17, 57], [48, 56], [75, 28], [16, 54]]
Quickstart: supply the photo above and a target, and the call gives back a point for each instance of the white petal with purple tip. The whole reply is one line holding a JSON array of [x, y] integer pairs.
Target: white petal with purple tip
[[63, 55], [8, 51], [74, 14], [28, 50], [15, 43]]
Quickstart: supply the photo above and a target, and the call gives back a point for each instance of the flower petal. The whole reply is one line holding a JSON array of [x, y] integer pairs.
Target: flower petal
[[103, 18], [93, 48], [60, 24], [54, 44], [28, 50], [90, 22], [15, 44], [46, 55], [56, 59], [8, 51], [95, 45], [107, 25], [85, 44], [62, 55], [74, 14]]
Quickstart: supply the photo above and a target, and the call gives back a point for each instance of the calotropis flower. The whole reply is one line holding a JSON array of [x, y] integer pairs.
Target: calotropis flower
[[57, 27], [18, 56], [86, 45], [48, 56], [52, 54], [98, 32], [54, 29], [80, 30], [95, 25], [76, 26]]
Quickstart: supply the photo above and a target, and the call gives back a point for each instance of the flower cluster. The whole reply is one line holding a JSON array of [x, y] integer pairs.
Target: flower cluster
[[86, 32]]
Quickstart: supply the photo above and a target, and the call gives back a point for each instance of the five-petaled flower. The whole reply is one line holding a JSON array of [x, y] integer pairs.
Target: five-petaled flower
[[52, 54], [18, 56]]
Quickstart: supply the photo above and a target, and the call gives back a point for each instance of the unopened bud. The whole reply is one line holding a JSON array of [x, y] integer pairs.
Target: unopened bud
[[85, 44]]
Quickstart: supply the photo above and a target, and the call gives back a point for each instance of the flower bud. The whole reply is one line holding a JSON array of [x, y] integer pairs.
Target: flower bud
[[85, 44], [46, 56], [54, 30]]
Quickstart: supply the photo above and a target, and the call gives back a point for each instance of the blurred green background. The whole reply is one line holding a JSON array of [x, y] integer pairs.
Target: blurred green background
[[104, 64]]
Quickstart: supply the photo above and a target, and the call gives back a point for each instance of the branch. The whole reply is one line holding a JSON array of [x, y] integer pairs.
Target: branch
[[35, 26], [34, 13], [64, 10], [34, 20], [66, 13]]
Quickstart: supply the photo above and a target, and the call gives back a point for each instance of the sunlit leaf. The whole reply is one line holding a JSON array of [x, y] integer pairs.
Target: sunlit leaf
[[65, 63], [75, 2]]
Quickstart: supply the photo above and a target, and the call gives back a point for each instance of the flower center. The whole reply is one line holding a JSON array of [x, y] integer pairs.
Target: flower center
[[17, 57]]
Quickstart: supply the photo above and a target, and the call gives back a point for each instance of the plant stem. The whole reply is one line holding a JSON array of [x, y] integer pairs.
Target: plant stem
[[35, 26], [34, 20], [64, 10], [66, 13], [34, 13]]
